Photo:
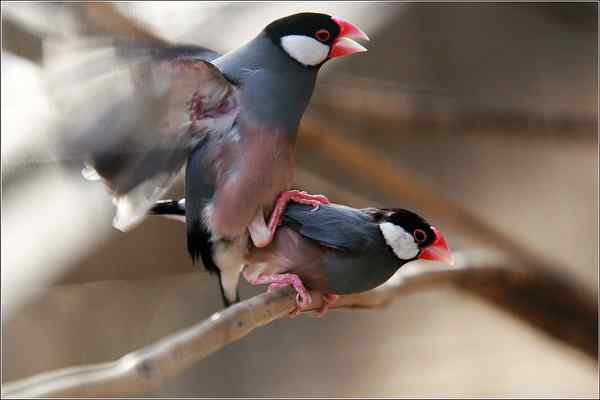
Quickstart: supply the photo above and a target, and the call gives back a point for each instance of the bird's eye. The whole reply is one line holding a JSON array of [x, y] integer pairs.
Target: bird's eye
[[322, 35], [419, 235]]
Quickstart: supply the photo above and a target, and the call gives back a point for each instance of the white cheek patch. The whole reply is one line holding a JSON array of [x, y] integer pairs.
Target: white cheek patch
[[305, 50], [401, 242]]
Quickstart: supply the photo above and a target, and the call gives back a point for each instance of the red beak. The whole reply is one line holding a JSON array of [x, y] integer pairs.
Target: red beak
[[438, 250], [344, 45]]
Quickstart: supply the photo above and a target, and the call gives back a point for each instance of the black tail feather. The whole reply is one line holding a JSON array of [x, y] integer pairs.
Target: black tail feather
[[199, 243], [226, 302], [200, 246], [198, 190], [168, 207]]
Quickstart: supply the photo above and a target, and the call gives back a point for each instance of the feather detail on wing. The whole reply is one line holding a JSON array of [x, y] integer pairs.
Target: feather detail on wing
[[133, 112], [332, 225]]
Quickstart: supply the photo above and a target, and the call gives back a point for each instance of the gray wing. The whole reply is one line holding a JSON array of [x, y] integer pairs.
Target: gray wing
[[130, 115], [181, 51], [333, 225]]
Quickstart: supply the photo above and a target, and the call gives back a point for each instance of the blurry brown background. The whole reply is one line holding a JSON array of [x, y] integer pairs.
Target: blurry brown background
[[492, 105]]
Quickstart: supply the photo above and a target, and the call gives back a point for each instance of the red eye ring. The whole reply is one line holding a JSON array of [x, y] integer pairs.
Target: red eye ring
[[419, 235], [322, 35]]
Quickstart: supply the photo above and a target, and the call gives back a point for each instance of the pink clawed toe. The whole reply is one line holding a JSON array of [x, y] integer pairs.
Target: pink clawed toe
[[298, 197], [303, 298]]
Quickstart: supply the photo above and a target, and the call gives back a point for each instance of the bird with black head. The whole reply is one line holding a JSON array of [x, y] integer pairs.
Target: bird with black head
[[336, 249]]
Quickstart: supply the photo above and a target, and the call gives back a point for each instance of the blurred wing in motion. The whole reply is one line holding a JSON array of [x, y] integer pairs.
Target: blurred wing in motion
[[133, 112]]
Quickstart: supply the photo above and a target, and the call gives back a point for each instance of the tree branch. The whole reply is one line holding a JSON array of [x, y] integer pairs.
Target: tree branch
[[527, 295]]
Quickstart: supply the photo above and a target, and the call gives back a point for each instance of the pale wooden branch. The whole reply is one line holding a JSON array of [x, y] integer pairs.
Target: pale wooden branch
[[145, 369], [485, 274]]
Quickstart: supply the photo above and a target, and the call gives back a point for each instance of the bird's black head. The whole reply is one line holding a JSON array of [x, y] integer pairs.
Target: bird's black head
[[313, 38], [410, 236]]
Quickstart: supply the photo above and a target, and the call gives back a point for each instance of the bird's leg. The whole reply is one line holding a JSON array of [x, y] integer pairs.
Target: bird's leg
[[303, 298], [328, 300], [275, 286], [297, 196], [261, 234]]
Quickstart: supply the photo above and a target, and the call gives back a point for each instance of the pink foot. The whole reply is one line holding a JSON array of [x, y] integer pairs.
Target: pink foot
[[328, 300], [303, 298], [284, 198], [275, 286], [297, 196]]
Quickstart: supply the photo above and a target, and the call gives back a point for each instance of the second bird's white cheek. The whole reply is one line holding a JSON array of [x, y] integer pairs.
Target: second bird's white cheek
[[304, 49], [401, 242]]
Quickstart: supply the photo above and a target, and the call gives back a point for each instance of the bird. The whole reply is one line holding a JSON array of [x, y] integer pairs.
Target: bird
[[335, 249], [230, 120]]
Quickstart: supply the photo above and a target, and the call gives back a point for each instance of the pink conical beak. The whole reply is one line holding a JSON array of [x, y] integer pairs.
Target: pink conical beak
[[438, 250], [344, 45]]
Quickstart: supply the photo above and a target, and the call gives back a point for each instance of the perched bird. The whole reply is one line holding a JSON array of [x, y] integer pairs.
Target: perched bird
[[336, 249], [234, 120]]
